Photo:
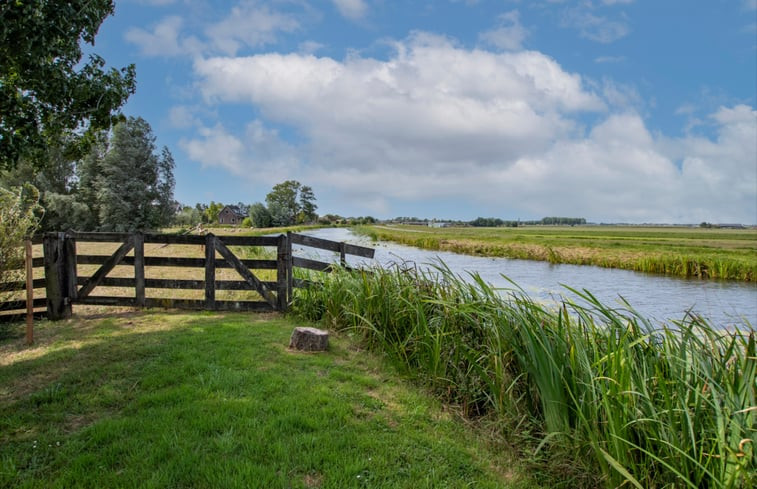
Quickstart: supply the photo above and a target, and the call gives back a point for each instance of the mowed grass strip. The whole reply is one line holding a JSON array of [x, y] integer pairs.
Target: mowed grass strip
[[685, 252], [162, 399]]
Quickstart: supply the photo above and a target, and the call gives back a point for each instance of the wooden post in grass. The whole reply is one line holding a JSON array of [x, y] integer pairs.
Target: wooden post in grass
[[210, 271], [29, 294], [342, 254], [284, 278], [139, 268], [69, 251], [56, 283]]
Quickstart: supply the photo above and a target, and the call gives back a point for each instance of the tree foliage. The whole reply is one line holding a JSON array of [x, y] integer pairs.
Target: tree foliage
[[135, 186], [19, 215], [259, 216], [48, 96], [120, 184], [212, 211], [291, 203]]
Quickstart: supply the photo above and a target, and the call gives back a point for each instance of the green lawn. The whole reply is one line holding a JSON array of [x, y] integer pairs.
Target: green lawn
[[216, 400]]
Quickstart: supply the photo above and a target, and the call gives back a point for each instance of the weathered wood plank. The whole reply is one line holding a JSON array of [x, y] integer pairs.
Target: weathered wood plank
[[101, 300], [109, 264], [29, 293], [139, 269], [200, 305], [318, 266], [157, 261], [283, 252], [210, 271], [21, 304], [69, 248], [271, 241], [200, 240], [58, 305], [99, 237], [176, 284], [334, 246], [245, 272]]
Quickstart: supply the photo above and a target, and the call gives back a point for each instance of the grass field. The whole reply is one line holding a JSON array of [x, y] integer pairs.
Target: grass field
[[686, 252], [216, 400]]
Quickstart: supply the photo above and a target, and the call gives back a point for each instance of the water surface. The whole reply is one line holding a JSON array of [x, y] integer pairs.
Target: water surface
[[724, 303]]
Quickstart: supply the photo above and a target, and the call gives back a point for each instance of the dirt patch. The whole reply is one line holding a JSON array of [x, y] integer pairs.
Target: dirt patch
[[313, 480]]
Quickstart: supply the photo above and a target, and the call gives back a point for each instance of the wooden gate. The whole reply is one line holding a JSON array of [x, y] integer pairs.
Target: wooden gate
[[65, 285]]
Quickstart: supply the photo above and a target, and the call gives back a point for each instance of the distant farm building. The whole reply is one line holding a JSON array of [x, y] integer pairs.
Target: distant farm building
[[231, 214]]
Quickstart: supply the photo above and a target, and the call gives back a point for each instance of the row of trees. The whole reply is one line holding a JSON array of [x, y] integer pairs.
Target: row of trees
[[121, 184]]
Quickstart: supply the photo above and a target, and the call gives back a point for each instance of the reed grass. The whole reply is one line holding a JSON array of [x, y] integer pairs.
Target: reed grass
[[700, 253], [600, 396]]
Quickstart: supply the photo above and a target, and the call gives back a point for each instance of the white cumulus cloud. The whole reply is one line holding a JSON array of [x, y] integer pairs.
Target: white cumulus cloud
[[503, 130], [508, 35], [352, 9]]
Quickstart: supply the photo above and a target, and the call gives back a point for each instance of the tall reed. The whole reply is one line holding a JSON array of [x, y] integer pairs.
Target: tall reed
[[627, 402]]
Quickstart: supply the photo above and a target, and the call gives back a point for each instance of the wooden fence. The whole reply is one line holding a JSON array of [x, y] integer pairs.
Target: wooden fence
[[66, 285], [21, 291]]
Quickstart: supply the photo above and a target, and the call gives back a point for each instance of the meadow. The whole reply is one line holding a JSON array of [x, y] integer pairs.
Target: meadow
[[164, 399], [581, 395], [686, 252]]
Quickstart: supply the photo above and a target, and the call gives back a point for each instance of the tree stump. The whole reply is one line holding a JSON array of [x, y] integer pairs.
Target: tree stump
[[309, 339]]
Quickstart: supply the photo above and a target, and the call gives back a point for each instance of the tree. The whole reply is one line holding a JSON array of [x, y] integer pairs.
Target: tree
[[212, 211], [259, 216], [166, 208], [282, 203], [188, 216], [57, 187], [290, 203], [132, 179], [19, 215], [48, 96], [307, 205]]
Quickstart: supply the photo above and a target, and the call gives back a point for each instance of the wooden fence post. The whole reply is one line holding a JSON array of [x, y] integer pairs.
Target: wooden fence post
[[58, 300], [29, 294], [69, 252], [139, 268], [210, 271], [342, 254], [283, 271]]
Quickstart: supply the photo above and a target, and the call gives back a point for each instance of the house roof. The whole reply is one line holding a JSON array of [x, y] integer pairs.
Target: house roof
[[235, 209]]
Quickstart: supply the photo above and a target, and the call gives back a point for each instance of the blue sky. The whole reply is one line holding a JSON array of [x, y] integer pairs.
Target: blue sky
[[612, 110]]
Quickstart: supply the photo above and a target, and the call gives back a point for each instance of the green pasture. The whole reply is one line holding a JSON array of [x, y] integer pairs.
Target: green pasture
[[687, 252], [203, 400]]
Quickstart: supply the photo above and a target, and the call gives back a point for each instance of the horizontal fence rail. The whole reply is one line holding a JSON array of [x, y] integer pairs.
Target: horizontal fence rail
[[66, 285], [12, 307]]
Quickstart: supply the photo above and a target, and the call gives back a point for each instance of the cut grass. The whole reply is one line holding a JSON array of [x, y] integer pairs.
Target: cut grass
[[685, 252], [216, 400]]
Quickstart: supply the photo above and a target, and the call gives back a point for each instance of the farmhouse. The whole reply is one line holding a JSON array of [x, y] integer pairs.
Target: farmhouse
[[231, 214]]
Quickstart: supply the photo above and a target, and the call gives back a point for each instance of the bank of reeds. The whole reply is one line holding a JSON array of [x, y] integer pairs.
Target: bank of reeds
[[600, 396], [702, 262]]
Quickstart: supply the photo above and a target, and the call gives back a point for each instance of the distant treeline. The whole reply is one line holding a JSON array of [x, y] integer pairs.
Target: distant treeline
[[545, 221], [493, 222]]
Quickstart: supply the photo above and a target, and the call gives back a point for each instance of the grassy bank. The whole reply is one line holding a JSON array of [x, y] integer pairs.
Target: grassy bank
[[600, 395], [684, 252], [216, 400]]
